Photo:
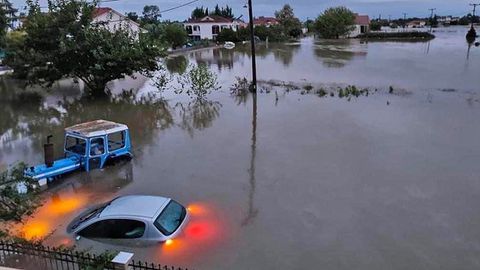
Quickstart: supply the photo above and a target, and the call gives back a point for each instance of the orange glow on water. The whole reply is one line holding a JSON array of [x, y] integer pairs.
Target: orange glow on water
[[202, 230], [35, 230], [65, 205], [198, 209], [169, 242]]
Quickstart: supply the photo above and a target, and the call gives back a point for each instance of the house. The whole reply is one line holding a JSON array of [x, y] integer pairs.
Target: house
[[209, 26], [265, 21], [416, 24], [10, 14], [362, 25], [445, 20], [114, 20]]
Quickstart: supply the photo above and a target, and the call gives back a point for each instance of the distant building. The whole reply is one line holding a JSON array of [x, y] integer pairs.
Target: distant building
[[416, 24], [114, 20], [208, 27], [362, 25], [445, 20], [10, 12], [265, 21]]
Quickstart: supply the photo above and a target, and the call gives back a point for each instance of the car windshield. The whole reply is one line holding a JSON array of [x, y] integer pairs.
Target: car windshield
[[171, 217], [75, 145], [87, 216]]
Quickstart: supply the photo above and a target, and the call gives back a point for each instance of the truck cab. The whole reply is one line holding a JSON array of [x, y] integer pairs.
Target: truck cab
[[87, 146]]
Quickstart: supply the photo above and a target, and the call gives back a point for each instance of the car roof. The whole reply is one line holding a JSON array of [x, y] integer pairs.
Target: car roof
[[135, 205], [96, 128]]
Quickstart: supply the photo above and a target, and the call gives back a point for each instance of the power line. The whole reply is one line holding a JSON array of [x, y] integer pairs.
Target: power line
[[177, 7]]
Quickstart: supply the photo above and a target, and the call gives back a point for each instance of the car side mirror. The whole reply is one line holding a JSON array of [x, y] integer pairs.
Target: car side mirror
[[78, 238]]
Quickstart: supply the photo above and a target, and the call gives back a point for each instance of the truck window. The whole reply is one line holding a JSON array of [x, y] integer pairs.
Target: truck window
[[114, 229], [97, 147], [171, 217], [75, 145], [116, 141]]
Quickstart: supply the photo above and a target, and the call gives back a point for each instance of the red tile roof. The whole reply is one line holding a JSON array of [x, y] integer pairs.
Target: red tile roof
[[362, 19], [265, 21], [210, 19], [100, 11]]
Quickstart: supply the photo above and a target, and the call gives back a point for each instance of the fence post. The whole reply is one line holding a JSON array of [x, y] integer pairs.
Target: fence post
[[122, 260]]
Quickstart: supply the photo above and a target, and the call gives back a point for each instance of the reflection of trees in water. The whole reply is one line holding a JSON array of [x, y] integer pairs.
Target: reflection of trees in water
[[336, 54], [198, 114], [222, 58], [177, 64], [281, 52], [36, 121]]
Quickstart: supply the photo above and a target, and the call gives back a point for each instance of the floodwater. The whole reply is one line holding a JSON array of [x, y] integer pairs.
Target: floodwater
[[384, 181]]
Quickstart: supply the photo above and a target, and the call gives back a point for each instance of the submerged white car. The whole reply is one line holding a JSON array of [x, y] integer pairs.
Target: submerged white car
[[132, 217]]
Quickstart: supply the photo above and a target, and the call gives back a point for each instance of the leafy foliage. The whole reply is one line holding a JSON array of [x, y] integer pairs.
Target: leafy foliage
[[151, 14], [175, 35], [200, 12], [13, 204], [291, 24], [64, 43], [375, 26], [227, 34], [132, 16], [3, 26], [335, 22], [199, 81]]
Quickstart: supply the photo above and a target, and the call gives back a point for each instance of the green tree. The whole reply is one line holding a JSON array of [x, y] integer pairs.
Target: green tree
[[335, 22], [199, 12], [375, 26], [291, 24], [151, 14], [3, 26], [132, 16], [63, 43], [175, 35], [227, 35]]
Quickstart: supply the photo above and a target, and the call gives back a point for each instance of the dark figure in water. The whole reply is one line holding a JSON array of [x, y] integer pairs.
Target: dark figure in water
[[471, 35]]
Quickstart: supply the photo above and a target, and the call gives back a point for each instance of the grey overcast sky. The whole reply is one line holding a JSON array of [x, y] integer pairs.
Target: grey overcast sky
[[303, 8]]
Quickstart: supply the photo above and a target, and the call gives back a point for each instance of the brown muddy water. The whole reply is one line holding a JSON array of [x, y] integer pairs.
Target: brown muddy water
[[384, 181]]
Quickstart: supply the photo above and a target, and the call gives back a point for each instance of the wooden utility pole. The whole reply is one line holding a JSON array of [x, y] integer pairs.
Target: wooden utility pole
[[404, 21], [474, 9], [253, 87], [431, 18]]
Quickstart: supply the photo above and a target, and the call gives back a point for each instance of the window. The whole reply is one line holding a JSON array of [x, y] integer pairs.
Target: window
[[75, 145], [215, 30], [224, 27], [188, 28], [171, 217], [196, 28], [114, 229], [116, 141], [97, 147]]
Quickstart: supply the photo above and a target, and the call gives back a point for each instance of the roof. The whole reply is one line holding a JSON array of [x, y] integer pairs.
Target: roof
[[265, 21], [135, 205], [362, 19], [96, 128], [100, 11], [210, 19]]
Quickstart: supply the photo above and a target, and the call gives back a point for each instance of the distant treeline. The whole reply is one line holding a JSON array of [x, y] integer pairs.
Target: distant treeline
[[397, 35]]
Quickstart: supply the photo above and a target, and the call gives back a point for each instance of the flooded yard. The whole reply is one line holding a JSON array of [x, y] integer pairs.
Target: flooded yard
[[384, 181]]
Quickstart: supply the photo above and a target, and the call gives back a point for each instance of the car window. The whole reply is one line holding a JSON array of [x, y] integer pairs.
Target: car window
[[116, 141], [97, 147], [171, 217], [114, 229], [75, 145]]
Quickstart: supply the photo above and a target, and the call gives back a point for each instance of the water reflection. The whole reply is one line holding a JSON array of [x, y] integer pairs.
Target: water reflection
[[177, 64], [220, 57], [252, 212], [198, 114], [336, 54], [282, 53]]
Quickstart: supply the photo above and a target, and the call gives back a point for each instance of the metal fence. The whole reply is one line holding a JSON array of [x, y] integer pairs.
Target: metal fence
[[38, 257]]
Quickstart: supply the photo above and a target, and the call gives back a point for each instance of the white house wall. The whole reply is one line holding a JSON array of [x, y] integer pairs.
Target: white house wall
[[113, 22], [206, 29]]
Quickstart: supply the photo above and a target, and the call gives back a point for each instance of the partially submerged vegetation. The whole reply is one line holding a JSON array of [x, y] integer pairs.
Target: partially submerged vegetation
[[400, 36], [17, 195]]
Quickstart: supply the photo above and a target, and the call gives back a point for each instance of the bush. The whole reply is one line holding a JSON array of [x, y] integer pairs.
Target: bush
[[227, 35], [175, 35], [375, 26]]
